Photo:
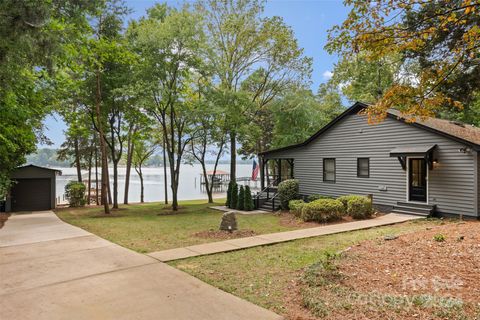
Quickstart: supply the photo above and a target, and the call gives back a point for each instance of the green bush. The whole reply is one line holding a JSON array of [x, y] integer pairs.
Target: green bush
[[234, 196], [296, 207], [75, 193], [344, 199], [314, 197], [248, 204], [241, 199], [229, 194], [287, 190], [322, 210], [358, 207]]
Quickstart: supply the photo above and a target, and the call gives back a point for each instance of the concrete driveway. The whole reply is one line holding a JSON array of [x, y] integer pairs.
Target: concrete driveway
[[52, 270]]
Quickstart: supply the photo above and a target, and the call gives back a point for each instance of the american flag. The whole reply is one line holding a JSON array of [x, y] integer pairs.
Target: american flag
[[255, 170]]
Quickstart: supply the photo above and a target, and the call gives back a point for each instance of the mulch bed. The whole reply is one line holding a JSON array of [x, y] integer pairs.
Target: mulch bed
[[224, 235], [3, 219], [411, 277]]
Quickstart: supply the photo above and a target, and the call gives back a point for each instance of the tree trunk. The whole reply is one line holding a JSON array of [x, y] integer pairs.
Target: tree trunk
[[140, 175], [208, 186], [103, 148], [89, 185], [115, 184], [97, 202], [233, 156], [109, 190], [77, 161], [129, 166], [165, 182], [219, 154], [174, 186]]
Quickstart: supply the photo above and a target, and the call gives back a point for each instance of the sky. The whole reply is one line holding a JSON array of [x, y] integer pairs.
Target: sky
[[309, 19]]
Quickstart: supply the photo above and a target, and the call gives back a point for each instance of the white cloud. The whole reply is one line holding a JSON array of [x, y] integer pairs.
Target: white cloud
[[327, 75]]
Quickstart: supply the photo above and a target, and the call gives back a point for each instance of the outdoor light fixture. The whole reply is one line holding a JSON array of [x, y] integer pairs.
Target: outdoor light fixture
[[464, 150], [435, 161]]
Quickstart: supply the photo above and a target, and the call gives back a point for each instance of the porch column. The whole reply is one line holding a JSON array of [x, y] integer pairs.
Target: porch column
[[290, 161], [262, 172], [279, 167]]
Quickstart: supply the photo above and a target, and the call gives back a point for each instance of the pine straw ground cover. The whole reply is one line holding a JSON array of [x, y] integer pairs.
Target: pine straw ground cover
[[433, 274], [358, 275]]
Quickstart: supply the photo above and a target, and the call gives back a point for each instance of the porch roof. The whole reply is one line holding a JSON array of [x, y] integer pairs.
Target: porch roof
[[413, 150]]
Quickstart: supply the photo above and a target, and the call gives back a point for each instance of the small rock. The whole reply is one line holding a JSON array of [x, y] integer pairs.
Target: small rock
[[460, 238], [390, 237], [229, 221]]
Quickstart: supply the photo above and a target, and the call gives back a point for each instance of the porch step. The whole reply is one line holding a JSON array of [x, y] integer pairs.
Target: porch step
[[418, 209], [267, 205]]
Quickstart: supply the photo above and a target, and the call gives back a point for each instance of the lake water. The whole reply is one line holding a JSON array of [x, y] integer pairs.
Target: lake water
[[189, 185]]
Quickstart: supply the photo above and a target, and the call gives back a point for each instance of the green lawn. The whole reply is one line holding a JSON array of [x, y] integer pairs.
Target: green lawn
[[264, 275], [152, 227]]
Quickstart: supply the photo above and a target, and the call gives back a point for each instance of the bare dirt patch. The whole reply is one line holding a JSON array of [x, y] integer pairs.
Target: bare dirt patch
[[224, 235], [432, 274], [3, 219]]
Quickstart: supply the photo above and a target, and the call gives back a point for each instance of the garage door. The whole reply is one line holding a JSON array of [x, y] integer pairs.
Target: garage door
[[31, 195]]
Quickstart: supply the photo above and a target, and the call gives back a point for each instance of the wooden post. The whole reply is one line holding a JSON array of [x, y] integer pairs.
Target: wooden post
[[261, 163], [279, 169]]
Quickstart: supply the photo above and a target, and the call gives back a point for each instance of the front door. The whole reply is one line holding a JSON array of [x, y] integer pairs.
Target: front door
[[417, 180]]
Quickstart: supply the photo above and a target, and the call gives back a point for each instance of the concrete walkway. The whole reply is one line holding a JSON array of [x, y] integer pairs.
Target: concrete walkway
[[52, 270], [272, 238]]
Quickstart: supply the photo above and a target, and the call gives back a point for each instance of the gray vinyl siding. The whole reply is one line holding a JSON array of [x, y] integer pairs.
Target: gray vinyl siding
[[450, 184]]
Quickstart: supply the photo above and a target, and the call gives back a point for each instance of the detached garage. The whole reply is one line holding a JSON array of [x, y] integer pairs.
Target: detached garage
[[33, 189]]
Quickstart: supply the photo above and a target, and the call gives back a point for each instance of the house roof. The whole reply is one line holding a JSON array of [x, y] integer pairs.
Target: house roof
[[467, 134], [38, 167], [460, 130]]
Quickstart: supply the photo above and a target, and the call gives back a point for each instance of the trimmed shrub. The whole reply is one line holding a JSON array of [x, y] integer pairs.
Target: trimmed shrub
[[75, 193], [234, 196], [296, 207], [248, 204], [314, 197], [287, 190], [344, 199], [322, 210], [241, 199], [359, 207], [229, 195]]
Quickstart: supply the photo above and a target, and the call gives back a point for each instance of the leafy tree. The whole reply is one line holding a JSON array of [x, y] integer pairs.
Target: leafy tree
[[144, 146], [35, 40], [299, 114], [170, 42], [209, 139], [105, 56], [241, 41], [439, 38], [361, 79]]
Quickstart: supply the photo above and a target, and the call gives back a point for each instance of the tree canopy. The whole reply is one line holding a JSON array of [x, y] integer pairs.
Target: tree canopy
[[437, 43]]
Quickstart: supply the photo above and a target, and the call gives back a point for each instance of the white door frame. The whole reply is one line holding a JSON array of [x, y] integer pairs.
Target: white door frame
[[407, 160]]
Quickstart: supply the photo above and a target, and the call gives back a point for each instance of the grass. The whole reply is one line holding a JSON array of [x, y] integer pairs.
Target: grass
[[153, 226], [265, 275]]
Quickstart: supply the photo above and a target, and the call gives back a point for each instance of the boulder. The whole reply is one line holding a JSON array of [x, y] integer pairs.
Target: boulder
[[229, 221]]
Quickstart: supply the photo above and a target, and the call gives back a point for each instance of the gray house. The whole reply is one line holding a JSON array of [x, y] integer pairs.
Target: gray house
[[33, 189], [428, 166]]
